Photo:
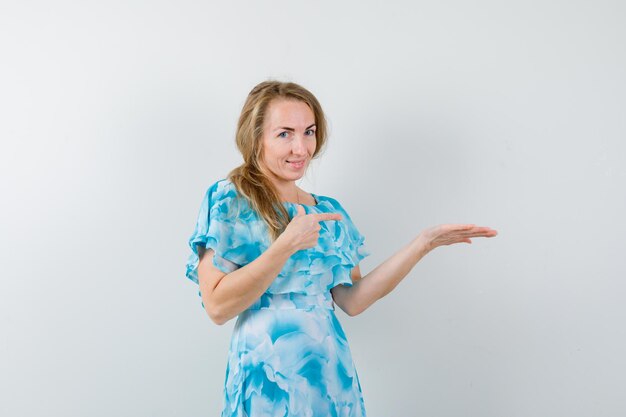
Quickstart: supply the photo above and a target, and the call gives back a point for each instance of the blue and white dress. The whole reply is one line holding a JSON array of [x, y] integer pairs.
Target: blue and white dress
[[288, 354]]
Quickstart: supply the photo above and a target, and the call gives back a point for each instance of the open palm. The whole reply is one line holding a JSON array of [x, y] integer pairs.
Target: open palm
[[448, 234]]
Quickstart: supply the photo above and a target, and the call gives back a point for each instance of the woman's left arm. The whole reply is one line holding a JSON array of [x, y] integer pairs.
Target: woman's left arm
[[385, 277]]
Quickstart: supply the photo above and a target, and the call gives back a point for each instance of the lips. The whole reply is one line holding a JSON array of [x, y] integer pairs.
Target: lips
[[297, 164]]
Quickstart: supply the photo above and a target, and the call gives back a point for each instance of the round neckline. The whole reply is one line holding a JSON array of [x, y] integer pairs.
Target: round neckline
[[315, 197]]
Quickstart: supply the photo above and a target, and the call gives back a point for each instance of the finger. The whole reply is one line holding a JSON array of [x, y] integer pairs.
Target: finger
[[488, 233], [482, 231], [466, 227], [461, 227], [480, 234], [326, 216], [483, 228], [473, 227], [300, 210]]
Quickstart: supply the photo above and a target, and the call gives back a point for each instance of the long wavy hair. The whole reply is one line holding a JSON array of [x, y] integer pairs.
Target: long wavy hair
[[248, 178]]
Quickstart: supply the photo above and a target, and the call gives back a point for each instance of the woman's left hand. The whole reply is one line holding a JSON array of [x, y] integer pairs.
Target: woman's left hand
[[448, 234]]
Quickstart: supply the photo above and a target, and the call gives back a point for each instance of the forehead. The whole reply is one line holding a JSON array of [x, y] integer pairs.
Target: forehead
[[288, 113]]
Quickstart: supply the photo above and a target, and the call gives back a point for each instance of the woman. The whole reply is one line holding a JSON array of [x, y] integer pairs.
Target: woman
[[279, 259]]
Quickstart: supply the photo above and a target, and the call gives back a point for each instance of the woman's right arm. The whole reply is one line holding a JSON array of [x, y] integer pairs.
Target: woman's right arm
[[226, 295]]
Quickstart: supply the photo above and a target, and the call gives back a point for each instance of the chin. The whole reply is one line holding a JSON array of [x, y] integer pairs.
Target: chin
[[296, 176]]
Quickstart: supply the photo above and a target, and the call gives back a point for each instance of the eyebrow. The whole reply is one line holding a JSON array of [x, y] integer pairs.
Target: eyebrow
[[292, 129]]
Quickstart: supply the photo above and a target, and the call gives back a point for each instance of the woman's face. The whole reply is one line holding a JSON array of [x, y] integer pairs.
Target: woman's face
[[288, 139]]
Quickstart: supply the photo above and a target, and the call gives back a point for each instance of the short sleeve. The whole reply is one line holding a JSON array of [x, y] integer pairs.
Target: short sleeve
[[219, 228], [354, 246]]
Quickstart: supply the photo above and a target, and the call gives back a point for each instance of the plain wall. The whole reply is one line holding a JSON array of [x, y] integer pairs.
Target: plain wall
[[117, 116]]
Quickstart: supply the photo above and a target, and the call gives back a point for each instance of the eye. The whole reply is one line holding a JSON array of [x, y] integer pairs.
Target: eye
[[280, 135], [312, 132]]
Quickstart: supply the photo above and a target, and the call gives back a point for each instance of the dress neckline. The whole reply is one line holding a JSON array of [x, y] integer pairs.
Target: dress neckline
[[315, 197]]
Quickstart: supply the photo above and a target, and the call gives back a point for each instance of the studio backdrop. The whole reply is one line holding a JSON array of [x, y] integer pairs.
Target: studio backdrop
[[115, 118]]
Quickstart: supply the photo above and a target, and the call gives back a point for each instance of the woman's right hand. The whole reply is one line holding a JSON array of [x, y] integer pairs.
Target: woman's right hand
[[302, 232]]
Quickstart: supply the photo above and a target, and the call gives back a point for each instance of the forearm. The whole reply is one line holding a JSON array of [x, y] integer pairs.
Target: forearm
[[239, 289], [385, 277]]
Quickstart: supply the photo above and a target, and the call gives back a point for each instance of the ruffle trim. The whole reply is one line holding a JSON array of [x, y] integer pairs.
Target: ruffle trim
[[232, 229], [328, 264], [221, 227]]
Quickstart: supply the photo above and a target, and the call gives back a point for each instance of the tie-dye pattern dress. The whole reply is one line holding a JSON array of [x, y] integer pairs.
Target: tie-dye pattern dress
[[288, 354]]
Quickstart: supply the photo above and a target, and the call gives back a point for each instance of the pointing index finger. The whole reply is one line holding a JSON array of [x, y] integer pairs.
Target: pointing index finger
[[326, 216]]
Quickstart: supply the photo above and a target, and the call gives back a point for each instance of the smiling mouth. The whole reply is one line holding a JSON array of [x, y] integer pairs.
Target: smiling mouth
[[296, 164]]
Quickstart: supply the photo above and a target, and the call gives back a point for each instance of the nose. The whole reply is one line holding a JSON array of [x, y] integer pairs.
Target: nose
[[298, 145]]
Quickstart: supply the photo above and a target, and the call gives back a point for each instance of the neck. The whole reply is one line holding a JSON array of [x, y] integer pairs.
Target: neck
[[287, 190]]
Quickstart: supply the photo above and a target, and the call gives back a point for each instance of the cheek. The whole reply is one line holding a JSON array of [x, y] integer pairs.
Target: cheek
[[270, 152]]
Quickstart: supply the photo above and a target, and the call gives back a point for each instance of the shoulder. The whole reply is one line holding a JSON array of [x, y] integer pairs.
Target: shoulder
[[225, 202], [222, 188], [325, 199], [333, 203]]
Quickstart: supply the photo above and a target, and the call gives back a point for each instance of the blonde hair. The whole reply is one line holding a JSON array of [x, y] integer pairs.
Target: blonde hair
[[248, 178]]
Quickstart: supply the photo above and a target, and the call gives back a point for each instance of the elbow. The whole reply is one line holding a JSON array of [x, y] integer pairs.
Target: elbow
[[218, 319], [216, 315], [353, 311], [345, 303], [214, 310]]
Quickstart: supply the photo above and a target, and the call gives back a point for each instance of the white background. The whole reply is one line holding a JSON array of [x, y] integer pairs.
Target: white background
[[115, 117]]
